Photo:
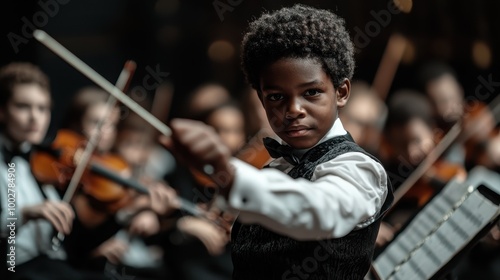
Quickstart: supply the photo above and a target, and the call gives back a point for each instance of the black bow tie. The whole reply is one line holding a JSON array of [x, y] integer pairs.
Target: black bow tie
[[9, 155], [276, 150]]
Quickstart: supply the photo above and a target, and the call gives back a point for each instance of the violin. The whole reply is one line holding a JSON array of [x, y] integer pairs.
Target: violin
[[480, 120], [103, 180], [438, 175]]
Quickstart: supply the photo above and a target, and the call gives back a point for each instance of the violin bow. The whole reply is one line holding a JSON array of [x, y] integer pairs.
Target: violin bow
[[388, 66], [122, 82]]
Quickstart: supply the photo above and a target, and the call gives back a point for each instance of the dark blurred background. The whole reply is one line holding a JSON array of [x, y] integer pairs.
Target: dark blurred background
[[198, 41]]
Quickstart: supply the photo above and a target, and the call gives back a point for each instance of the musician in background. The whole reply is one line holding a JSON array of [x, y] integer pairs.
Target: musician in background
[[144, 257], [200, 251], [93, 244], [25, 104], [228, 120], [440, 83], [205, 97], [411, 133]]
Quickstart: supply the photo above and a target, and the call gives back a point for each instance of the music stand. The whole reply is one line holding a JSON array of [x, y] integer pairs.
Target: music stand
[[443, 230]]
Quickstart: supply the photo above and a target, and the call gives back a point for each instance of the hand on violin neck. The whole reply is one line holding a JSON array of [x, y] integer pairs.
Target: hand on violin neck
[[58, 213], [198, 145]]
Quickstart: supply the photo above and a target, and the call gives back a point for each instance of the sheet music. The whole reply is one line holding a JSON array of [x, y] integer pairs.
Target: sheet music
[[436, 234], [420, 227], [454, 234]]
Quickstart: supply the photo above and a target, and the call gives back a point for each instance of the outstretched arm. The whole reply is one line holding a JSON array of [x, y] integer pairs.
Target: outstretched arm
[[344, 194]]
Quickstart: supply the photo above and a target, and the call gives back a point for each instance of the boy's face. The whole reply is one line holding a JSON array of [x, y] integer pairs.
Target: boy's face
[[27, 114], [300, 100]]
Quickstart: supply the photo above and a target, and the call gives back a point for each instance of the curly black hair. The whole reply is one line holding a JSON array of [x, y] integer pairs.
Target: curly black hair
[[298, 32]]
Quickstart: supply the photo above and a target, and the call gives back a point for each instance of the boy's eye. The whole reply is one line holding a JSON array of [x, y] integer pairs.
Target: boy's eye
[[274, 96], [312, 92]]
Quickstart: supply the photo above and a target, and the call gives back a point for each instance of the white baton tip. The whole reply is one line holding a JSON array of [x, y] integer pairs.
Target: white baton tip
[[39, 34]]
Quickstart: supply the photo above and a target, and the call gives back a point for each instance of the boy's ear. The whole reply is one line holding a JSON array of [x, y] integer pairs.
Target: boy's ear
[[343, 93]]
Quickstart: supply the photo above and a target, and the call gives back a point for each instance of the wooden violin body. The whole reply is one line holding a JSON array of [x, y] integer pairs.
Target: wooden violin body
[[434, 180], [57, 165]]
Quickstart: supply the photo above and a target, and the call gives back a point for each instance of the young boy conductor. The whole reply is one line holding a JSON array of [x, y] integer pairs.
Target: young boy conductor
[[315, 212]]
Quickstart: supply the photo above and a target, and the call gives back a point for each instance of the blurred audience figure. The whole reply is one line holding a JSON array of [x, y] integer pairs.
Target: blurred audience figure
[[364, 117]]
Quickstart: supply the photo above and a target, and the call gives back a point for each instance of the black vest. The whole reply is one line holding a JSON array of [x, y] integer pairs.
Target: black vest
[[262, 254]]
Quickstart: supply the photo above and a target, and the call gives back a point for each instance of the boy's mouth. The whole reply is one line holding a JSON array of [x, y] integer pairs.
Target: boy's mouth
[[297, 131]]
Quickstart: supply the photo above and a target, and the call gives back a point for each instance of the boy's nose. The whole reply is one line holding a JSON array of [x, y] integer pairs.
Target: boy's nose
[[294, 109]]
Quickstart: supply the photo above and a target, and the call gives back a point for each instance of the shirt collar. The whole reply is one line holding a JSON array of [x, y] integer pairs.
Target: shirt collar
[[5, 142], [337, 129]]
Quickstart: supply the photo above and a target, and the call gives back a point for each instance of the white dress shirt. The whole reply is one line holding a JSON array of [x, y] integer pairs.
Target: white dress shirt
[[32, 238], [344, 194]]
